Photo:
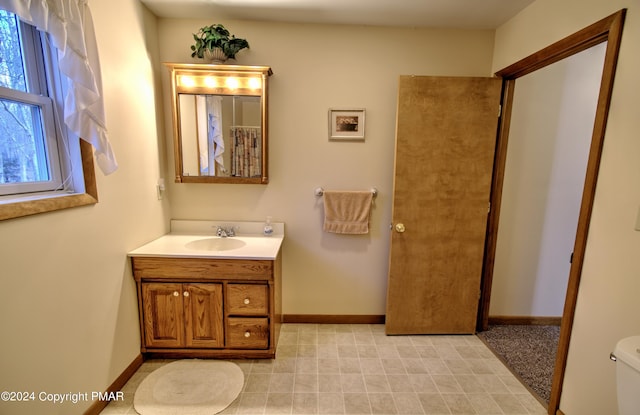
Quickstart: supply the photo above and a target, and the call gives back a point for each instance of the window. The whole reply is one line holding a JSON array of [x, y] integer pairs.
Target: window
[[29, 156], [39, 157]]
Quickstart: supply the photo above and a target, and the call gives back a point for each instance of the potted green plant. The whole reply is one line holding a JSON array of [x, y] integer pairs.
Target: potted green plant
[[215, 43]]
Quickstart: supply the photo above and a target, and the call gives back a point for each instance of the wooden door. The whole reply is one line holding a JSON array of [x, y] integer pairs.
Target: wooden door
[[445, 144], [163, 314], [203, 315]]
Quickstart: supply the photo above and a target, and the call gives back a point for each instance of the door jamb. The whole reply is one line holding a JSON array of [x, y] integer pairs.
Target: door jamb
[[608, 29]]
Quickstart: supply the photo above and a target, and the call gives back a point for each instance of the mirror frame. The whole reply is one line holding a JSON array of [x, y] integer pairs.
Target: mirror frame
[[200, 72]]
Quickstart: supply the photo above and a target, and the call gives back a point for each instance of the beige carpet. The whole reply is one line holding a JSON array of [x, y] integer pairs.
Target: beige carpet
[[189, 387]]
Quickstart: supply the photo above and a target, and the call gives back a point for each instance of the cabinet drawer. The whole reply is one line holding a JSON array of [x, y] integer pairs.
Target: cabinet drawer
[[247, 333], [247, 299]]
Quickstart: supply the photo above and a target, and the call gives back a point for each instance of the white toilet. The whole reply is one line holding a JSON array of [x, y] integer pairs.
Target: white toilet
[[627, 356]]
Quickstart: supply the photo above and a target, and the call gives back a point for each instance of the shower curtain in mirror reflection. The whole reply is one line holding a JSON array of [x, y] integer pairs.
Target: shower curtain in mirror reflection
[[246, 151], [210, 139]]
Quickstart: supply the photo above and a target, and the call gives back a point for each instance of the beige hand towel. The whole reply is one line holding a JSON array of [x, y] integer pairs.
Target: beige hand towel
[[347, 211]]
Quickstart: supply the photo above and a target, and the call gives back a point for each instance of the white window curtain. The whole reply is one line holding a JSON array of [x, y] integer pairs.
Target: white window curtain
[[70, 27]]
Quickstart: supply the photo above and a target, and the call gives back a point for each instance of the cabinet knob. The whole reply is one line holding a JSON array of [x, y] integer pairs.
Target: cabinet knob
[[246, 301], [186, 293], [400, 228], [175, 294], [247, 334]]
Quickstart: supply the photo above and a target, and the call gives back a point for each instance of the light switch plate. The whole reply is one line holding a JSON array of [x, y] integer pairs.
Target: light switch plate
[[160, 188]]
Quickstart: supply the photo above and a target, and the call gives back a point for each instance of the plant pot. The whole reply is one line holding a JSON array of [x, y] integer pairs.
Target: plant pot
[[215, 55]]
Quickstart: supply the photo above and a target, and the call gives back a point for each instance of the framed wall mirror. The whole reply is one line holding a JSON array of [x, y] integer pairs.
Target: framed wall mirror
[[220, 123]]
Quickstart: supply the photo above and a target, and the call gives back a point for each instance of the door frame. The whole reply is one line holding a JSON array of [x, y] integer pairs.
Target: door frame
[[607, 30]]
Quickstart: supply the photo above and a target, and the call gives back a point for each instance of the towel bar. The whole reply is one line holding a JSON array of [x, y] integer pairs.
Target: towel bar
[[320, 191]]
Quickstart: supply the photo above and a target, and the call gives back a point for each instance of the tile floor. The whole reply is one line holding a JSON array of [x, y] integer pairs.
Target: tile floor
[[357, 369]]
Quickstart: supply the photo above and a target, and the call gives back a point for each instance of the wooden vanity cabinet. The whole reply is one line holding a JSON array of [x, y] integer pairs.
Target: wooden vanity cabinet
[[208, 308]]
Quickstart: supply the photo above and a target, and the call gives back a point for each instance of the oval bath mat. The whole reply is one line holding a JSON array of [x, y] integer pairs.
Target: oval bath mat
[[189, 387]]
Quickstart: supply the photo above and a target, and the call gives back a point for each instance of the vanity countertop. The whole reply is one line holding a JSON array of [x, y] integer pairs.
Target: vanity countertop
[[184, 234]]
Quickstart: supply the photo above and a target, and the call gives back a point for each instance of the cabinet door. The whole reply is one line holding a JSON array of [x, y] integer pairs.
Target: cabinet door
[[163, 314], [203, 315]]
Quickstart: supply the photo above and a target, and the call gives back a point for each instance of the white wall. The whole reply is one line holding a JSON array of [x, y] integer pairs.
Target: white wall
[[608, 308], [317, 67], [68, 311], [549, 140]]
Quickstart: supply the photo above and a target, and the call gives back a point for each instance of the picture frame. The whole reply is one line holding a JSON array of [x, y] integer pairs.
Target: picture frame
[[346, 124]]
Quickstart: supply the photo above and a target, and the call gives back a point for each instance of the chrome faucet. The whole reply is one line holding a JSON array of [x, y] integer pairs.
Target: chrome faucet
[[223, 232]]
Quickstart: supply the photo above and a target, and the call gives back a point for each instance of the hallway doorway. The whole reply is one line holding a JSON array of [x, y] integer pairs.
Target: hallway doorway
[[550, 135], [607, 30]]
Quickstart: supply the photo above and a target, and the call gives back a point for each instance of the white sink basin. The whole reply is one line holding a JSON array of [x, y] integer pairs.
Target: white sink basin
[[215, 244], [195, 239]]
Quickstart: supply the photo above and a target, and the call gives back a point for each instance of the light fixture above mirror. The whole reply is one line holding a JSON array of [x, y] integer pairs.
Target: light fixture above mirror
[[220, 123]]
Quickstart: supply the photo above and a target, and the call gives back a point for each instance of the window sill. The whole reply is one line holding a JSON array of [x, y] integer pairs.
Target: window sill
[[35, 204], [44, 204]]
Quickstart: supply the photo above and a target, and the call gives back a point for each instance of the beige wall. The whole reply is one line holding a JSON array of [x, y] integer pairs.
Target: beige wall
[[608, 308], [68, 311], [317, 67]]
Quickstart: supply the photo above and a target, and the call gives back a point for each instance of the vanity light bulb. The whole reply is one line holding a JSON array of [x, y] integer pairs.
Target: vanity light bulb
[[255, 83], [232, 83], [187, 81]]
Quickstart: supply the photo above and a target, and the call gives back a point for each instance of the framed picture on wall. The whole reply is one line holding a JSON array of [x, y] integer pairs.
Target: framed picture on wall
[[346, 124]]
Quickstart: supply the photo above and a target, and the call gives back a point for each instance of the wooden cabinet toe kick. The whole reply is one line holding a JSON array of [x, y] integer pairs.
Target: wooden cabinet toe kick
[[209, 353]]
